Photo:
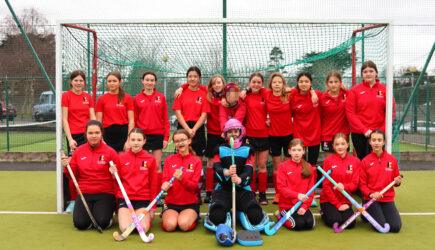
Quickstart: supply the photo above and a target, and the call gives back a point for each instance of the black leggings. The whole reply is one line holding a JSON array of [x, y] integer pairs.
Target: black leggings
[[361, 145], [331, 215], [221, 204], [115, 136], [304, 222], [102, 207], [386, 212], [312, 154]]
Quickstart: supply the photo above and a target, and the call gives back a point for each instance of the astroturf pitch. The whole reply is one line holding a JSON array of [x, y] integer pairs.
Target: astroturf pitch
[[35, 191]]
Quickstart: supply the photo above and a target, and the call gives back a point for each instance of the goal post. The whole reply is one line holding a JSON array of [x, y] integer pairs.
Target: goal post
[[231, 47]]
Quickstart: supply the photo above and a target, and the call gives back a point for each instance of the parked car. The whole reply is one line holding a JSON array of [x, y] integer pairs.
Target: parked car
[[45, 110], [9, 112], [420, 128]]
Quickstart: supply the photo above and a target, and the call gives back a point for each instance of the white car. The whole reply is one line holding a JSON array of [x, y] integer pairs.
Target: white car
[[421, 127]]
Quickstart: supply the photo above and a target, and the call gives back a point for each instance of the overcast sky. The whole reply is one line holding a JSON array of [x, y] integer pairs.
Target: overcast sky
[[411, 44]]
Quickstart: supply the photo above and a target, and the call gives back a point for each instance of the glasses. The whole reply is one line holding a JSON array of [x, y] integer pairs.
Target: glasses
[[180, 141]]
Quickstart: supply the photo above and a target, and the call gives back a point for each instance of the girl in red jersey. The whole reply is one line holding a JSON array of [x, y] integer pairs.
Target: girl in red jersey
[[138, 173], [90, 165], [181, 204], [151, 115], [280, 122], [191, 110], [116, 111], [231, 106], [295, 177], [257, 133], [77, 110], [366, 107], [345, 171], [380, 168], [333, 111], [306, 116], [215, 93]]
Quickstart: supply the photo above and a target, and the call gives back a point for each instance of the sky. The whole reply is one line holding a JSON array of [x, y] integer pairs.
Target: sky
[[411, 43]]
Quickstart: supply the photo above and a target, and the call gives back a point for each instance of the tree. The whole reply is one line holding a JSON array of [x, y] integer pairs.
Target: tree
[[340, 62], [275, 58]]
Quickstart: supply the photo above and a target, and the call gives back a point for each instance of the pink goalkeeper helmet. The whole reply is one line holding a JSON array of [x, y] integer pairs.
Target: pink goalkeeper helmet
[[235, 124]]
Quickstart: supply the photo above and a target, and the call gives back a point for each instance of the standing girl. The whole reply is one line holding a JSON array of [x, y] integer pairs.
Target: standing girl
[[333, 111], [366, 107], [151, 115], [181, 204], [116, 111], [257, 133], [306, 116], [90, 165], [191, 110], [295, 177], [138, 173], [379, 168], [77, 110], [345, 171]]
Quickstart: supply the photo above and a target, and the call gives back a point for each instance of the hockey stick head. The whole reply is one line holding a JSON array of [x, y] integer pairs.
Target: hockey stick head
[[225, 235], [337, 228], [269, 229], [117, 236]]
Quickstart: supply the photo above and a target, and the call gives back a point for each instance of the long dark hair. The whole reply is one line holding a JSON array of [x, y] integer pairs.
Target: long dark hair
[[76, 73], [121, 92]]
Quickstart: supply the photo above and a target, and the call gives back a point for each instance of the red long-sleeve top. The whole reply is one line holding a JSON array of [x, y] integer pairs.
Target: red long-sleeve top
[[280, 114], [333, 115], [78, 110], [213, 117], [151, 114], [138, 173], [114, 112], [238, 112], [366, 107], [306, 118], [255, 118], [91, 168], [290, 183], [184, 191], [377, 173], [345, 171]]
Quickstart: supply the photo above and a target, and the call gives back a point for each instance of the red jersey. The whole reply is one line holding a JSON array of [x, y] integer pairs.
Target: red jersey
[[184, 191], [114, 112], [91, 168], [78, 110], [290, 183], [345, 171], [238, 112], [366, 107], [377, 173], [192, 104], [151, 114], [213, 125], [333, 115], [255, 119], [138, 173], [306, 118], [280, 115]]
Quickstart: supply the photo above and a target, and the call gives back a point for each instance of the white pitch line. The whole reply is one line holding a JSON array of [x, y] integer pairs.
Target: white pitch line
[[203, 214]]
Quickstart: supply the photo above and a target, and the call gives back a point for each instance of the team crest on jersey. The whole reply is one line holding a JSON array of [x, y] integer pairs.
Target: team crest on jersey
[[389, 166], [158, 99], [85, 100], [101, 160], [380, 94], [190, 167], [199, 100], [144, 165], [349, 169]]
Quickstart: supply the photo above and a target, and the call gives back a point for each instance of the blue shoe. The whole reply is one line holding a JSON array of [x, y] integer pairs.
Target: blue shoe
[[314, 203], [70, 208]]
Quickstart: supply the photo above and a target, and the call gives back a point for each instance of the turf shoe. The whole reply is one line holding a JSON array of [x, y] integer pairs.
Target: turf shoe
[[262, 199], [70, 208], [207, 197]]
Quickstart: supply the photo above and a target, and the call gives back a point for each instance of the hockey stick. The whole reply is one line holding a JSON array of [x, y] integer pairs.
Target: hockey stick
[[133, 215], [375, 224], [339, 229], [76, 184], [122, 236], [271, 228]]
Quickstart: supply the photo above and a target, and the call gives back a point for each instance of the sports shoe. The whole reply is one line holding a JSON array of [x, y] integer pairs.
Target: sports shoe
[[207, 197], [70, 208], [262, 199], [276, 199]]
